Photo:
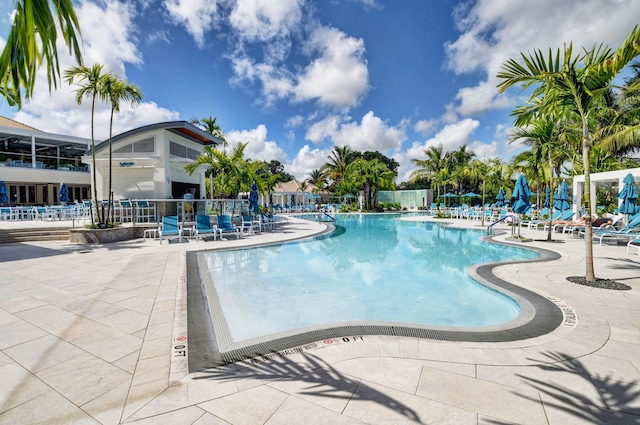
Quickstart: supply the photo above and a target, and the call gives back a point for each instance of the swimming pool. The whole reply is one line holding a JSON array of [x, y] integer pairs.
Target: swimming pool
[[379, 270]]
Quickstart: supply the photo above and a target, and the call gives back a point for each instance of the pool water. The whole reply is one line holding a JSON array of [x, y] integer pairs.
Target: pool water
[[378, 269]]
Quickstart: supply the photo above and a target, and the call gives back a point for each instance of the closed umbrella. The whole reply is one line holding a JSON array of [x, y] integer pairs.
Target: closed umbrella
[[547, 191], [501, 198], [253, 199], [629, 195], [561, 198], [4, 199], [521, 194], [64, 193]]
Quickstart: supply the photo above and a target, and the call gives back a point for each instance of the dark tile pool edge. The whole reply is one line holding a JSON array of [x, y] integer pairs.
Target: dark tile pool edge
[[210, 344]]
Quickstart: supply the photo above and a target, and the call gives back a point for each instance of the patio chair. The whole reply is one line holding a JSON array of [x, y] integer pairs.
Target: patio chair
[[630, 232], [249, 225], [170, 227], [203, 227], [225, 226]]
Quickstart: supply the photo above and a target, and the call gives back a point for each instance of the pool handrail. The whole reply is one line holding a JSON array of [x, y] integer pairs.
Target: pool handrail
[[498, 221]]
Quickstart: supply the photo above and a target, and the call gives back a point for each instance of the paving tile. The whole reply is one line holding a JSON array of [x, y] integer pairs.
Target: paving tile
[[297, 411], [327, 388], [109, 344], [376, 404], [508, 403], [107, 408], [49, 408], [126, 321], [209, 419], [140, 395], [83, 378], [18, 387], [402, 375], [188, 415], [44, 352], [152, 369], [19, 332], [561, 412], [251, 407], [20, 303]]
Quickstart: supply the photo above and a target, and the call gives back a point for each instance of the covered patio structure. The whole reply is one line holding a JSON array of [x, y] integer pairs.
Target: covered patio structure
[[599, 179]]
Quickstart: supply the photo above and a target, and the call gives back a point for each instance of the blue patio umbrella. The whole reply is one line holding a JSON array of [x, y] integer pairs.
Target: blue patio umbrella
[[293, 200], [561, 197], [547, 191], [4, 199], [271, 200], [501, 198], [471, 195], [629, 195], [521, 194], [253, 199], [64, 193]]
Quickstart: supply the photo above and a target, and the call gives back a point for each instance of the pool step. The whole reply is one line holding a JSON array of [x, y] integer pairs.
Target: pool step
[[34, 234]]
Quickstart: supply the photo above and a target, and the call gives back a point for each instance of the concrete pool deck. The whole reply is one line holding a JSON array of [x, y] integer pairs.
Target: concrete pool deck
[[96, 335]]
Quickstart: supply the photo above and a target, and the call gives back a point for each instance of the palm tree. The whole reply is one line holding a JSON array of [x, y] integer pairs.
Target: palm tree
[[370, 176], [90, 81], [429, 168], [32, 41], [316, 178], [572, 86], [543, 138], [336, 167], [116, 90], [210, 125]]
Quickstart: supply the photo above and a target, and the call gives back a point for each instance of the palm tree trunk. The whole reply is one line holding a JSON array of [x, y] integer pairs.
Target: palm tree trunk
[[588, 236], [110, 193], [93, 154]]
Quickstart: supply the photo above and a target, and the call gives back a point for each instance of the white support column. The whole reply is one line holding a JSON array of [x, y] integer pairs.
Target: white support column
[[33, 151]]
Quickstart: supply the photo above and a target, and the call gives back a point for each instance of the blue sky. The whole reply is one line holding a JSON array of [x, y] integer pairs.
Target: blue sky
[[295, 78]]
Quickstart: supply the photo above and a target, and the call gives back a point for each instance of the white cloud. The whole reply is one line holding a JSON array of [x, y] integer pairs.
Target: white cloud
[[197, 16], [108, 39], [259, 148], [425, 127], [493, 31], [451, 137], [337, 77], [306, 160], [371, 134], [264, 20]]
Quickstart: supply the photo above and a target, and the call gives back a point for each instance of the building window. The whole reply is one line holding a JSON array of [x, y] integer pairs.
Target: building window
[[181, 151], [147, 145]]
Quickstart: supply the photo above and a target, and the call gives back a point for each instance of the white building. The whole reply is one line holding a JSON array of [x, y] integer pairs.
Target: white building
[[600, 178], [148, 162], [34, 164]]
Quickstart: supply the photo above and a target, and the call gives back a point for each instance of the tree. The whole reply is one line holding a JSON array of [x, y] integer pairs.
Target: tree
[[317, 179], [370, 176], [32, 41], [429, 168], [90, 81], [210, 125], [336, 166], [117, 90], [572, 86]]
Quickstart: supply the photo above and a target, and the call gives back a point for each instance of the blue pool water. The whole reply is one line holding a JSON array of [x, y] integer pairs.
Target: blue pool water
[[379, 269]]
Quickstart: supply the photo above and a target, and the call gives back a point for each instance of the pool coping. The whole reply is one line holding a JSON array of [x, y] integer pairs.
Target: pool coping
[[210, 343]]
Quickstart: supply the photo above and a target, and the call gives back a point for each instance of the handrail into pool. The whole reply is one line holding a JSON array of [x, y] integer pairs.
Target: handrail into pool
[[327, 214], [502, 219]]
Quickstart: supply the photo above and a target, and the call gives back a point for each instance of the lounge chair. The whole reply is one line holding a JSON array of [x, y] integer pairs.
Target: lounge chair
[[626, 233], [225, 226], [634, 243], [170, 227], [203, 227]]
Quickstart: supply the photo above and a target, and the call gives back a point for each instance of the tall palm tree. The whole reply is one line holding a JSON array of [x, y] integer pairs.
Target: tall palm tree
[[543, 138], [573, 86], [90, 81], [370, 176], [32, 41], [316, 178], [117, 90], [211, 126], [339, 159], [428, 168]]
